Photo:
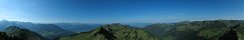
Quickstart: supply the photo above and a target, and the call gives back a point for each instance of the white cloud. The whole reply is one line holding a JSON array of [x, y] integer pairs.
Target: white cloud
[[1, 17]]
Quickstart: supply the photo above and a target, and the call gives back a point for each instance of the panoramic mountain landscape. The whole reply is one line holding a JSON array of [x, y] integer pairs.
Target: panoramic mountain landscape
[[185, 30], [121, 20]]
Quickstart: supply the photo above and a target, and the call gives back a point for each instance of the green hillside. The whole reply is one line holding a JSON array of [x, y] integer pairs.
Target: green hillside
[[24, 34], [112, 32], [197, 30]]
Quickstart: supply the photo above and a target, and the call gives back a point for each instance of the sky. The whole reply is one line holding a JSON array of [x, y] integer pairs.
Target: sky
[[119, 11]]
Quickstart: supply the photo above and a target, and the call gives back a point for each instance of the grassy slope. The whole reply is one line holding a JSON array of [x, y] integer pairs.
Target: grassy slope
[[120, 32]]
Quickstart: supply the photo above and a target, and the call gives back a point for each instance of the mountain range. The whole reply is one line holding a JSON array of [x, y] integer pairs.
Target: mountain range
[[13, 33], [198, 30], [50, 31], [77, 27], [114, 31], [185, 30]]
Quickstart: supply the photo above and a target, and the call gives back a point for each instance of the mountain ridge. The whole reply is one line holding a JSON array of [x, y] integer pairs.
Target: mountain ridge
[[195, 30], [115, 31], [24, 34]]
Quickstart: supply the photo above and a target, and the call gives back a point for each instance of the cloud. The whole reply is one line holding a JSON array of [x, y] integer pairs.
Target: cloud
[[1, 17]]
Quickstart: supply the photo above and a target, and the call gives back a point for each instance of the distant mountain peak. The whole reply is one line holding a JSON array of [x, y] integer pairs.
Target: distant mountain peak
[[13, 27], [4, 20]]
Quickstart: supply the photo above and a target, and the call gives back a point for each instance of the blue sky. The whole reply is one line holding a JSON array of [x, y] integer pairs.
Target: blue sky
[[119, 11]]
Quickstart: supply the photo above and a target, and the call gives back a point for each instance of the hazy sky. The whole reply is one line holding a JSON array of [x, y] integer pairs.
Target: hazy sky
[[123, 11]]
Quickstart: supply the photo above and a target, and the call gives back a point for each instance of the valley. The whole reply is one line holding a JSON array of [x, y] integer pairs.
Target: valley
[[185, 30]]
